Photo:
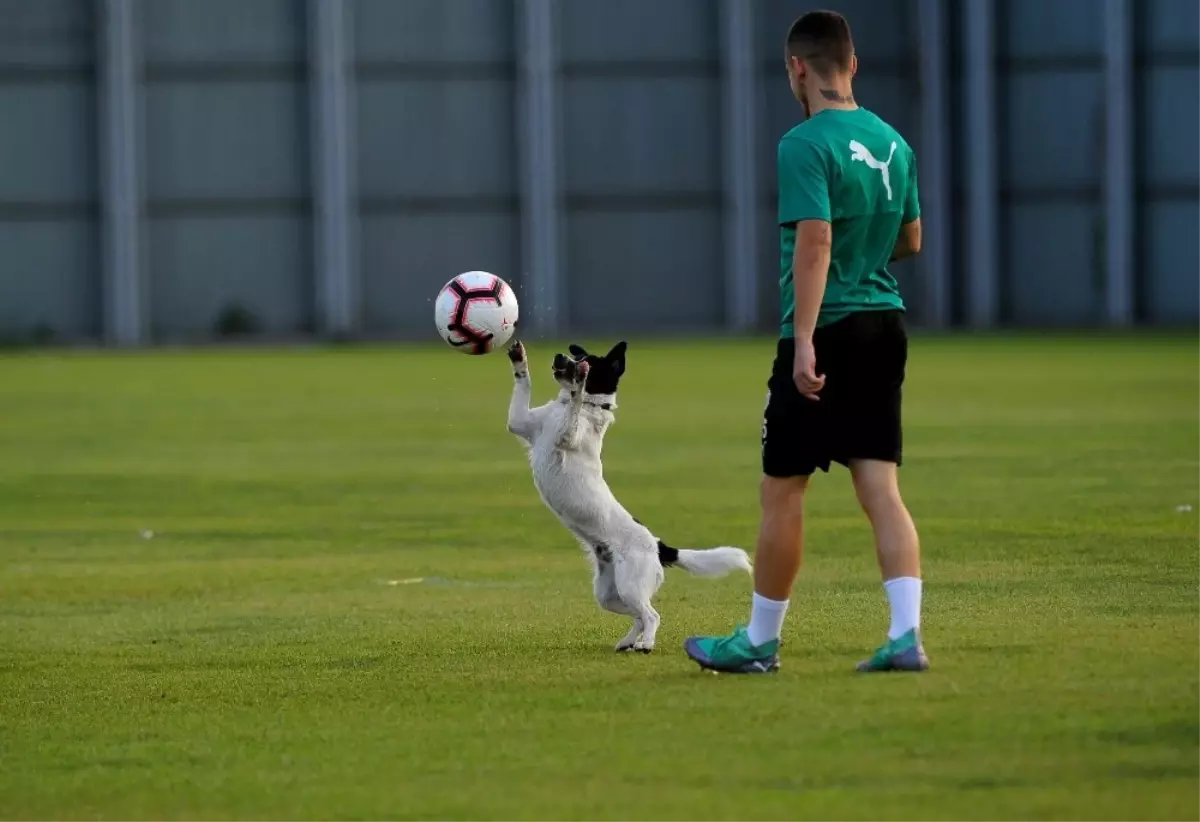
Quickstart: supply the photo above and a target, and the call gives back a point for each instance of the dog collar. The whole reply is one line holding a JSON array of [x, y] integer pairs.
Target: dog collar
[[605, 402]]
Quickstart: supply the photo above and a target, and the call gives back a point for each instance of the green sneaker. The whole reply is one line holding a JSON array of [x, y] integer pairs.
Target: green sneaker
[[733, 654], [904, 653]]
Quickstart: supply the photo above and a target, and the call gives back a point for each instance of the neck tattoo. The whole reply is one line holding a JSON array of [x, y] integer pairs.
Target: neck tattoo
[[834, 96]]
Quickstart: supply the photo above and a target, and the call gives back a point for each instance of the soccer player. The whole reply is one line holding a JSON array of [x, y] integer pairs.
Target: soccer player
[[847, 207]]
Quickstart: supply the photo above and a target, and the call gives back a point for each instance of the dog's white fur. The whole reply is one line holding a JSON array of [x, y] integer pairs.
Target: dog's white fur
[[564, 438]]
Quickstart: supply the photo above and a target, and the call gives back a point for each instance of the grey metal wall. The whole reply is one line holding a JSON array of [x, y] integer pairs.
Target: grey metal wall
[[1051, 136], [1168, 87], [641, 137], [436, 89], [644, 129], [225, 164], [49, 239]]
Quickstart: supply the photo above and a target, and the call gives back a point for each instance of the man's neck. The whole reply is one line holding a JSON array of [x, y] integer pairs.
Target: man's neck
[[834, 93]]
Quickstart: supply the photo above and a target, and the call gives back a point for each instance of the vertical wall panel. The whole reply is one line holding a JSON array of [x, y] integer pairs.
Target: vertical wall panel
[[47, 142], [213, 263], [445, 33], [1053, 173], [49, 278], [540, 158], [119, 89], [1052, 159], [335, 228], [54, 35], [1168, 89], [1118, 189], [935, 166], [1056, 268], [49, 271], [226, 166], [982, 280], [1172, 156], [1169, 27], [641, 136], [436, 152], [1170, 193], [236, 144], [230, 32], [740, 109], [1172, 260], [1051, 29]]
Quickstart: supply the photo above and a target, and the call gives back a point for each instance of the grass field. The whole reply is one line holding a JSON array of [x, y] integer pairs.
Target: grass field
[[266, 654]]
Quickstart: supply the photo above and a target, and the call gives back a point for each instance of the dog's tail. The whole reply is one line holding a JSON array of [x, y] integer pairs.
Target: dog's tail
[[713, 562]]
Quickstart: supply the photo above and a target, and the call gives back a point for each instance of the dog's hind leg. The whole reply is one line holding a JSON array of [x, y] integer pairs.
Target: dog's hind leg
[[630, 640], [605, 588], [637, 579]]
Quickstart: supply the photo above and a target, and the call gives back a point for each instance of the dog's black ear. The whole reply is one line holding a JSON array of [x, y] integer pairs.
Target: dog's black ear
[[577, 351], [617, 357]]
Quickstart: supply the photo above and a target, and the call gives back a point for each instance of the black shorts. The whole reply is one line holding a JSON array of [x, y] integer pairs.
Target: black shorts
[[858, 415]]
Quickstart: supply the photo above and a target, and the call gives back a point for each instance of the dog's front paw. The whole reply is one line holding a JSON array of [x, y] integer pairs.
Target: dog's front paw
[[564, 370], [516, 356], [643, 647]]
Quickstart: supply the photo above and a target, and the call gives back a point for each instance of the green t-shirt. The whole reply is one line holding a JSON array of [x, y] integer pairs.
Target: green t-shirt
[[853, 170]]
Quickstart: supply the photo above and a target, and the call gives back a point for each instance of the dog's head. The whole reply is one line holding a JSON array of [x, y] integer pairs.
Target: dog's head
[[604, 372]]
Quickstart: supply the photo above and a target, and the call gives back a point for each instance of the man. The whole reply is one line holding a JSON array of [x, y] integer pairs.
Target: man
[[847, 207]]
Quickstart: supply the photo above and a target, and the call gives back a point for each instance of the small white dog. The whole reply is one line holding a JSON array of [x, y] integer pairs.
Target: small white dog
[[564, 438]]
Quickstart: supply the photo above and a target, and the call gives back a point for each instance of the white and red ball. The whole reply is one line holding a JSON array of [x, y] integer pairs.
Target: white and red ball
[[476, 312]]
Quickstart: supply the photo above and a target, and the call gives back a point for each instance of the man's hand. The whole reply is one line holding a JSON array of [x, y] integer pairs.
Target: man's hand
[[804, 370]]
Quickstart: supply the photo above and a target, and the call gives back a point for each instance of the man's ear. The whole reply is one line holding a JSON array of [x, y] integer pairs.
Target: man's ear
[[577, 351]]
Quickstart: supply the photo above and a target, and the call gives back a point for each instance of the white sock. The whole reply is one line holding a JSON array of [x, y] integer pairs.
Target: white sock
[[766, 619], [904, 594]]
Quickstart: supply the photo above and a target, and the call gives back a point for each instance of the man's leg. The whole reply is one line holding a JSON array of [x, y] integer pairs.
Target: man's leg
[[871, 440], [793, 429], [778, 555], [899, 553], [755, 648]]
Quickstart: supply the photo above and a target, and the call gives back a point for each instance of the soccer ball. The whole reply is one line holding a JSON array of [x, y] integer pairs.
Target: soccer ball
[[476, 312]]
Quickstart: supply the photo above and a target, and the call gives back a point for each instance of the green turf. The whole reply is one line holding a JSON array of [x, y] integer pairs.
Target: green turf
[[264, 654]]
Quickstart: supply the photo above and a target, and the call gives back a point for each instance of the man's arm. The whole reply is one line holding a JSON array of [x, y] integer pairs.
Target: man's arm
[[908, 242], [804, 204], [810, 270], [804, 175]]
